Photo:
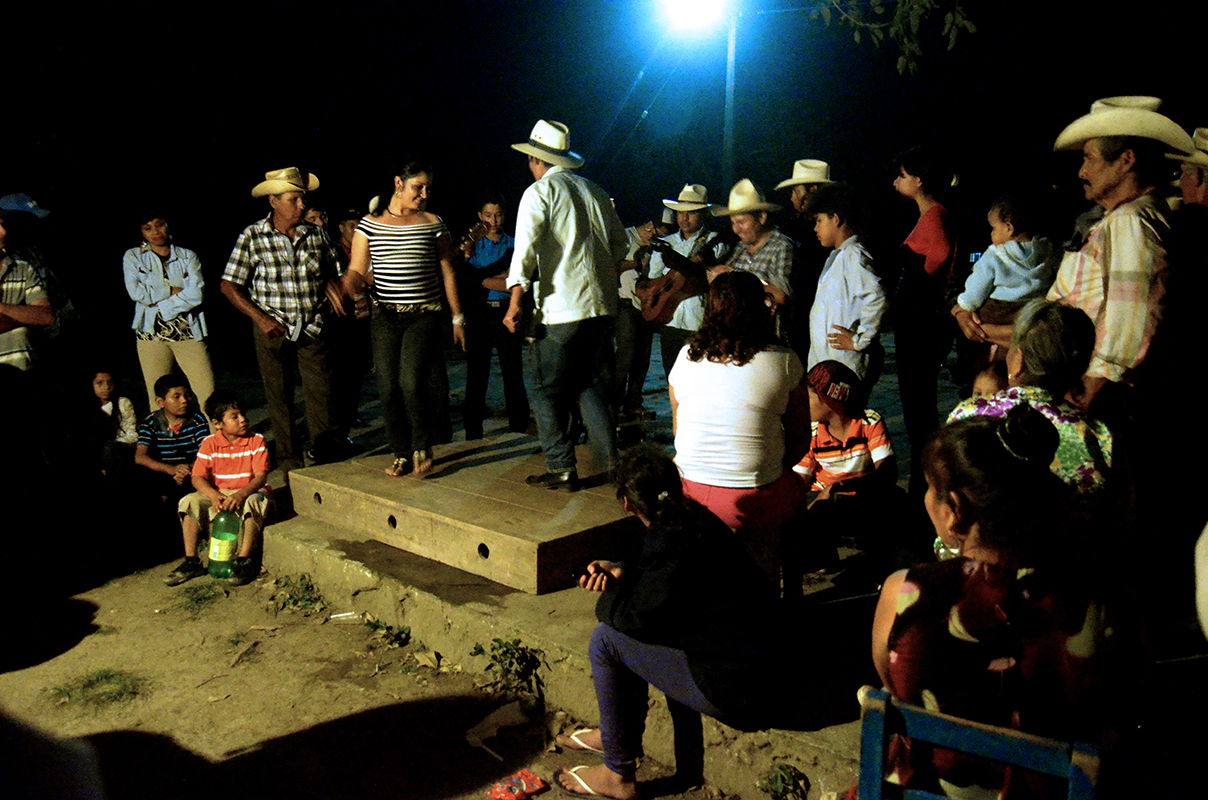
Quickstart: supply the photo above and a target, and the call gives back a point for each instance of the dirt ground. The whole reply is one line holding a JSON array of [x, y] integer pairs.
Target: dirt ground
[[239, 697]]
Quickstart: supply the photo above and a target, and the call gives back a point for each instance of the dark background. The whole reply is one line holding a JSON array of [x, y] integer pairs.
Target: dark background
[[185, 105]]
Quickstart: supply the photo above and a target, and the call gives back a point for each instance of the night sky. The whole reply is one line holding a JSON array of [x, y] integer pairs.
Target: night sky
[[186, 105]]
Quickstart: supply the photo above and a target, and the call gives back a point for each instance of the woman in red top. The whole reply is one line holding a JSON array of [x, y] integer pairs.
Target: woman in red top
[[922, 327]]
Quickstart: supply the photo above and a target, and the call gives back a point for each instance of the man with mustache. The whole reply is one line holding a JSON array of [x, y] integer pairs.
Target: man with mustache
[[1119, 276]]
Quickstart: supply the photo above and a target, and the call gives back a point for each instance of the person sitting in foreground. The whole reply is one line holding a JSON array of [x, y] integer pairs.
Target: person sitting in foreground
[[740, 415], [663, 623], [1014, 630], [1051, 346], [230, 474], [850, 469]]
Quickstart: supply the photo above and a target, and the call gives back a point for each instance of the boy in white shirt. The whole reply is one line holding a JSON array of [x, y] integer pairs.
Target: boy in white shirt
[[845, 320]]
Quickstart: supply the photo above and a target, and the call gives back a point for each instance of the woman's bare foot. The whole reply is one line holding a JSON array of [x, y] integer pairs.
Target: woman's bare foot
[[599, 780], [400, 467], [422, 463], [587, 740]]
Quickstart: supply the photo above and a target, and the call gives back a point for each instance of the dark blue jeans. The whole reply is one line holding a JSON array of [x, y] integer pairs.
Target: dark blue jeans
[[622, 668], [404, 348], [634, 338], [570, 368], [484, 334]]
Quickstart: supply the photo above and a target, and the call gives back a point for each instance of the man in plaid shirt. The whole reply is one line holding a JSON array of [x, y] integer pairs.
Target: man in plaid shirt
[[283, 275], [1119, 276]]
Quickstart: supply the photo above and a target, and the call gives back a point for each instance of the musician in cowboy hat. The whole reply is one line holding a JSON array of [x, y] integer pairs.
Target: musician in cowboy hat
[[1118, 277], [568, 243], [762, 249], [283, 275], [700, 247]]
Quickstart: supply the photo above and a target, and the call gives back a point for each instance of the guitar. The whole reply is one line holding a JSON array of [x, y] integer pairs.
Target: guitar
[[472, 237], [685, 278]]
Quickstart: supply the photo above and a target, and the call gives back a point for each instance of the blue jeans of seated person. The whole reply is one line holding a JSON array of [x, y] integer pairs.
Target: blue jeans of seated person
[[621, 669], [405, 345], [570, 368]]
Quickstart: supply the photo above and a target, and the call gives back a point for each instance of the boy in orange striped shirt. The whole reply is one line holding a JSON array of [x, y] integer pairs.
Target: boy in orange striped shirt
[[230, 474]]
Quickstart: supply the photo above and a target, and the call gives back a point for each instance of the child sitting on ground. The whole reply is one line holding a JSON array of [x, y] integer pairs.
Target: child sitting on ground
[[230, 474], [850, 449], [115, 425], [850, 469], [169, 438], [119, 411], [845, 320], [1017, 267]]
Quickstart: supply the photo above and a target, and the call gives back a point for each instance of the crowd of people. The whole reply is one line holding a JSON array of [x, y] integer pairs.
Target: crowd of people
[[771, 346]]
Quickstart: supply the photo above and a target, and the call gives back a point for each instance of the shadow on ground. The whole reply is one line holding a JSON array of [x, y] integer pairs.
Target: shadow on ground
[[412, 750]]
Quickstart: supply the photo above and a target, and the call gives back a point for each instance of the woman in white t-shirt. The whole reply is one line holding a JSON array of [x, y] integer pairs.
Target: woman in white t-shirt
[[741, 416]]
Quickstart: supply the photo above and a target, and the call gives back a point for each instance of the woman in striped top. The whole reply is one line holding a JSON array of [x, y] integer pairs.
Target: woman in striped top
[[410, 253]]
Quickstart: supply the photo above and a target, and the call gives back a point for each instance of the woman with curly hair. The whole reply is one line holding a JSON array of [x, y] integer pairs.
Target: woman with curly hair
[[741, 418]]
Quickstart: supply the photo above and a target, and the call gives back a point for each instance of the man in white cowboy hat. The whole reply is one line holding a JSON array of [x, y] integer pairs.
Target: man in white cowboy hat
[[568, 243], [762, 250], [701, 248], [809, 175], [1118, 277], [1193, 183], [283, 275]]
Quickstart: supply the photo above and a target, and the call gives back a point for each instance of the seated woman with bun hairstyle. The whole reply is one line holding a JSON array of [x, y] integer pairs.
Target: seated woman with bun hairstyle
[[1014, 629]]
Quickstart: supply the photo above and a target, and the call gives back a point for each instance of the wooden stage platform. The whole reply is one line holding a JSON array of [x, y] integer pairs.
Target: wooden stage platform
[[473, 511]]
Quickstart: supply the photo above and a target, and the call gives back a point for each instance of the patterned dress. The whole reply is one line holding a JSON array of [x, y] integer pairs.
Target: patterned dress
[[1084, 450], [1017, 648]]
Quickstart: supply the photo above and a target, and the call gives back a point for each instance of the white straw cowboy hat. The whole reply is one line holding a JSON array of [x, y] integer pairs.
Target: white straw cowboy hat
[[744, 199], [280, 181], [1199, 156], [807, 170], [693, 197], [1129, 115], [550, 142]]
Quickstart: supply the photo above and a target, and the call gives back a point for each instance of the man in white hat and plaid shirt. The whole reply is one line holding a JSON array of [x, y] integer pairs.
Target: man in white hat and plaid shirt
[[283, 275], [1118, 277], [568, 242]]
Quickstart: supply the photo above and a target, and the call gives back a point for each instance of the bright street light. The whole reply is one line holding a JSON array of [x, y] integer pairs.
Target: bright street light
[[694, 16]]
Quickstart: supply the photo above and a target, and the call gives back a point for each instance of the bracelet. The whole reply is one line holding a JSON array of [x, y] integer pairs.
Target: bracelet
[[459, 319]]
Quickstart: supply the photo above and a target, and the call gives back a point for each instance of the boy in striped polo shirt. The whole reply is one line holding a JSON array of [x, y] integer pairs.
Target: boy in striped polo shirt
[[168, 439], [230, 474]]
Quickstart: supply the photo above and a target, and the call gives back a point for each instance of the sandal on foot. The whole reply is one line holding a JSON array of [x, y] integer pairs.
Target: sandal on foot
[[399, 468], [423, 462], [579, 744], [574, 773]]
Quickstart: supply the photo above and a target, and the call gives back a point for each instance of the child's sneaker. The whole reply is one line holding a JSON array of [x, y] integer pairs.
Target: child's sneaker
[[189, 569], [243, 571]]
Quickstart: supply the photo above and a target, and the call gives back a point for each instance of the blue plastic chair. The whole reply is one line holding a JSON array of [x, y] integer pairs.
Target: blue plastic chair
[[883, 716]]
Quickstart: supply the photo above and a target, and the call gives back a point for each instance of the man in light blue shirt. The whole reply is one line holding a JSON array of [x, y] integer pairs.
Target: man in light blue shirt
[[568, 242]]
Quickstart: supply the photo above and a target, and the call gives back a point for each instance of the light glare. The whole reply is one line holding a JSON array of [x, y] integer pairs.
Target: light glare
[[694, 15]]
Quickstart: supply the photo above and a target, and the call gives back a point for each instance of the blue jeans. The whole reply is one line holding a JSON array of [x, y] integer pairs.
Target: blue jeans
[[570, 368], [621, 669], [405, 346], [634, 338]]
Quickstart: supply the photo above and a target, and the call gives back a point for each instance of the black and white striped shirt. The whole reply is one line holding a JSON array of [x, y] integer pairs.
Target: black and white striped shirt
[[405, 260]]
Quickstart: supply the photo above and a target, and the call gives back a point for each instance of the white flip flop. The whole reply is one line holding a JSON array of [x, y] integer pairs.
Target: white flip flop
[[574, 737]]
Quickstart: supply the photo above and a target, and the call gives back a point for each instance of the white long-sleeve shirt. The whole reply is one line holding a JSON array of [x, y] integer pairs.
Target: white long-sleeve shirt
[[568, 242], [850, 295]]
